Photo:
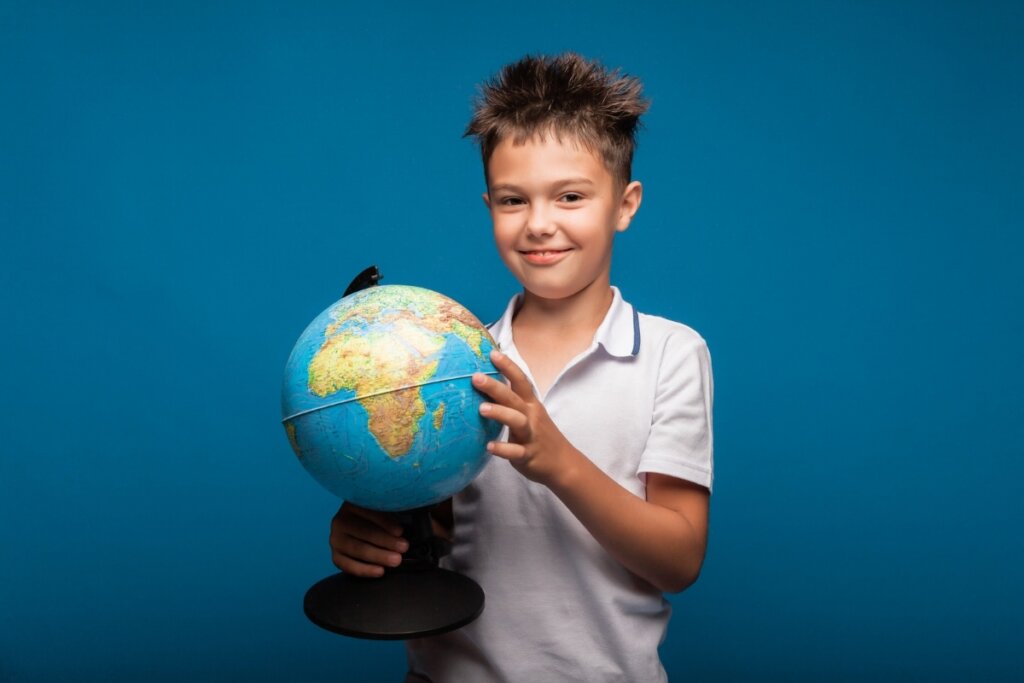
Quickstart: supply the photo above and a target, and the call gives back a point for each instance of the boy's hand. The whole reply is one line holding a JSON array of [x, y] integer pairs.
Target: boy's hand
[[535, 447], [364, 542]]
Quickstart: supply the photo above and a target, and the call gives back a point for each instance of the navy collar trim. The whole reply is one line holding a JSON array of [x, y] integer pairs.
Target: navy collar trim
[[636, 331]]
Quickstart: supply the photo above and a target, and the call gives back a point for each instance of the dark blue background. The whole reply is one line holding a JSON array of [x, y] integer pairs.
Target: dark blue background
[[832, 198]]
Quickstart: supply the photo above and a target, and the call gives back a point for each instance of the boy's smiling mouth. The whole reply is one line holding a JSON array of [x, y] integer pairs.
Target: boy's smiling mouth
[[544, 256]]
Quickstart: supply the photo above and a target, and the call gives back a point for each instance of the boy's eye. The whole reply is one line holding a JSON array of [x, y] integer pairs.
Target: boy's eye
[[510, 200], [572, 197]]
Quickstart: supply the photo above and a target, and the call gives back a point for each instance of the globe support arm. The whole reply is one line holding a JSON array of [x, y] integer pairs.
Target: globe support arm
[[368, 278]]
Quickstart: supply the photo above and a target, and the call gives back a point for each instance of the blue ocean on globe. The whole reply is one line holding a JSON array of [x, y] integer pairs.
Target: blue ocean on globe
[[377, 400]]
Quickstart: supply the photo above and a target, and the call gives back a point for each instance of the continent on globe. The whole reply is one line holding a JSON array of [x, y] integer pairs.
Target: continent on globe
[[385, 366]]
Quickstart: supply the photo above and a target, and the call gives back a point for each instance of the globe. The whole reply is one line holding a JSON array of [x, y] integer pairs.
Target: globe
[[377, 399]]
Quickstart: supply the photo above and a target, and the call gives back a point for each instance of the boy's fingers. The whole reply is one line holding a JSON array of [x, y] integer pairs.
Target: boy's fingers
[[507, 450], [499, 392], [365, 541], [507, 416], [358, 533], [357, 568], [359, 550], [520, 382], [381, 519]]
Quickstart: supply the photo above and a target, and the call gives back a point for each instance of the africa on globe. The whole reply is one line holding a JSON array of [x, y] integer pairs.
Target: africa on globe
[[377, 399]]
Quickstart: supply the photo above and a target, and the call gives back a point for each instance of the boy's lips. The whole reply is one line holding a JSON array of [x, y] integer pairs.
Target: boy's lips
[[543, 257]]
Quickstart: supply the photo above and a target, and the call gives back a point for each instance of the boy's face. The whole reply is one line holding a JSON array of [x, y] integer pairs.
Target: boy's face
[[556, 210]]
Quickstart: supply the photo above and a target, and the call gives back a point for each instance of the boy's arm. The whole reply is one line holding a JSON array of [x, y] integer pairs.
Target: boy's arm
[[661, 539]]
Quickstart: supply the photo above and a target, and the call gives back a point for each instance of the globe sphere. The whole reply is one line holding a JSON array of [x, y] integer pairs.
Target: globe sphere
[[377, 399]]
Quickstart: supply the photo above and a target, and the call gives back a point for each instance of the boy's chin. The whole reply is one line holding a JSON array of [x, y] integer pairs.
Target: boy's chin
[[551, 292], [545, 294]]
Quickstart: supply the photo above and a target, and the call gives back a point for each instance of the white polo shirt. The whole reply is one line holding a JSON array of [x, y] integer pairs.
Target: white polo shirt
[[558, 607]]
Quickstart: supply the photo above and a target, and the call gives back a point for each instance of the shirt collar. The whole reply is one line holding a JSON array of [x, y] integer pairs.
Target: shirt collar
[[618, 333]]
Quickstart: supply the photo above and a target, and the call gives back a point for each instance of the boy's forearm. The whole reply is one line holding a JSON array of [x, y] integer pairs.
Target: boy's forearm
[[659, 544]]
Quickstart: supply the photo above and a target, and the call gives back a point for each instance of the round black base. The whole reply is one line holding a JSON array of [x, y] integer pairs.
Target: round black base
[[397, 606]]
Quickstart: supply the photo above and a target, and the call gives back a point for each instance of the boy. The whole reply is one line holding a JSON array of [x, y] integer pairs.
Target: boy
[[602, 503]]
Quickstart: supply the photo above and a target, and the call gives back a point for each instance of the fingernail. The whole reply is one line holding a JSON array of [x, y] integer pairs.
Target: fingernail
[[495, 353], [490, 446], [485, 408], [394, 560], [478, 379], [402, 546]]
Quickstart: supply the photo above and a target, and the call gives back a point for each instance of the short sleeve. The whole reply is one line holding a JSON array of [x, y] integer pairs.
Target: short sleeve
[[680, 442]]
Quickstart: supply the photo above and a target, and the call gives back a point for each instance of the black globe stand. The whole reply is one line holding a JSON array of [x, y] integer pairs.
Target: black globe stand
[[413, 600]]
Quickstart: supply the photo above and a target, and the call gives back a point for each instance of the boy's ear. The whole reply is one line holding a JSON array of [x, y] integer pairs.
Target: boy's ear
[[631, 198], [487, 200]]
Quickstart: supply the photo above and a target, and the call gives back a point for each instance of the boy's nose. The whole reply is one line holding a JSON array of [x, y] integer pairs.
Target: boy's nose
[[539, 222]]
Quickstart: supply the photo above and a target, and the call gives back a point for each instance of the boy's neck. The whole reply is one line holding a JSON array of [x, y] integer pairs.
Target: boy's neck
[[582, 312]]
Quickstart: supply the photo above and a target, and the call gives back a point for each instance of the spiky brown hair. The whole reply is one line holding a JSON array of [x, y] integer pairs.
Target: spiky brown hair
[[564, 95]]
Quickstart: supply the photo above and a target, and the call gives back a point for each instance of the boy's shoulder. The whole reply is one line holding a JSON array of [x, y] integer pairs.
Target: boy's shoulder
[[661, 332]]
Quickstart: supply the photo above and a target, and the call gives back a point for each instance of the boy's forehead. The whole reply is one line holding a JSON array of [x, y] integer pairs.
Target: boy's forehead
[[545, 157]]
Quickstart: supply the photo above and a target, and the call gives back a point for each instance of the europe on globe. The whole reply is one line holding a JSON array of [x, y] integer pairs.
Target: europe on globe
[[377, 399]]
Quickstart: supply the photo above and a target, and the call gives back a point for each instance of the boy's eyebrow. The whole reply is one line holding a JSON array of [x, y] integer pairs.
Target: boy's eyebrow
[[555, 186]]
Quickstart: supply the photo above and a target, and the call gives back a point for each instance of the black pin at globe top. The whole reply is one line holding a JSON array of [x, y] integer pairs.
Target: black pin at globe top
[[415, 599]]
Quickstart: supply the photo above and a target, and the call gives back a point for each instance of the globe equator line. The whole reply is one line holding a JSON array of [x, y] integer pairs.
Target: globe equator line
[[380, 393]]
